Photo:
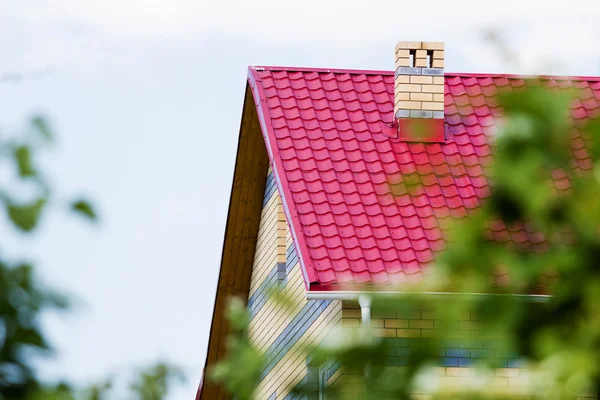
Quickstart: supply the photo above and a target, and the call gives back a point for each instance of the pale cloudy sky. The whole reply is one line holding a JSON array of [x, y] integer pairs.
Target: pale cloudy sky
[[146, 98]]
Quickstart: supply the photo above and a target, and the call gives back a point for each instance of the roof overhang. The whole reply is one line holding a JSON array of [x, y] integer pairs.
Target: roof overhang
[[241, 234]]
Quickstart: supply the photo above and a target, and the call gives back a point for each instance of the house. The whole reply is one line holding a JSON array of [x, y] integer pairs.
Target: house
[[314, 206]]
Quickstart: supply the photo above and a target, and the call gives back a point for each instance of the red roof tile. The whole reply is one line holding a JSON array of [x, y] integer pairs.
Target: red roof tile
[[363, 206]]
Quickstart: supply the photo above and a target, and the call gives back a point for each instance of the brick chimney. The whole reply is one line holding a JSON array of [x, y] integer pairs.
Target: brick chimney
[[419, 91]]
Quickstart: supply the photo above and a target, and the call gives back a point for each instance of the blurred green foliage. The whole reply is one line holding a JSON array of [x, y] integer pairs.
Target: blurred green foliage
[[24, 298], [555, 338], [240, 372], [154, 382]]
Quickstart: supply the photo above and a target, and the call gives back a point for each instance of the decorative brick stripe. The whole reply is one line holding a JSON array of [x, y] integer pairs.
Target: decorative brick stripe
[[261, 294], [270, 188], [291, 258], [405, 331], [294, 331], [451, 355], [299, 324], [418, 71]]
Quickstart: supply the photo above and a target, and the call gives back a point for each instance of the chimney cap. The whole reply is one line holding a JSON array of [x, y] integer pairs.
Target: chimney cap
[[404, 45]]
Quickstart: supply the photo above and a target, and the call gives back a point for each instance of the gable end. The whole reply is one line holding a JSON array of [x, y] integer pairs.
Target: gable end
[[241, 232]]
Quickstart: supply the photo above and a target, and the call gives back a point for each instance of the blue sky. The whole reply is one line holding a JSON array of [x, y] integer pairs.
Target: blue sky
[[146, 99]]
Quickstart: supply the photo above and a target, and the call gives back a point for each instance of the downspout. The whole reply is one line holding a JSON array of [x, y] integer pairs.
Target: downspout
[[365, 310]]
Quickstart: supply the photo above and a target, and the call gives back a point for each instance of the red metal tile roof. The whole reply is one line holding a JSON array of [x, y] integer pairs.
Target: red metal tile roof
[[345, 178]]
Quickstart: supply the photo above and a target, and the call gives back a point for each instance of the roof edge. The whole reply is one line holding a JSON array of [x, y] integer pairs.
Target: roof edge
[[259, 68], [354, 295], [290, 213], [241, 226]]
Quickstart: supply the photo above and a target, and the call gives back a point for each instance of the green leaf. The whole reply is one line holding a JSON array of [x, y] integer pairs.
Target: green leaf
[[237, 314], [32, 337], [22, 156], [40, 124], [61, 391], [85, 209], [27, 216], [99, 391]]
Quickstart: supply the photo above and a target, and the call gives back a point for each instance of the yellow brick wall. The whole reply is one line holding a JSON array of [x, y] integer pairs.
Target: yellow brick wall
[[421, 324], [291, 369], [282, 332]]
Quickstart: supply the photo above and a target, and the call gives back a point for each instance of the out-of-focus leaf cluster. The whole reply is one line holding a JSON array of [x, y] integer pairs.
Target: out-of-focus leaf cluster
[[154, 382], [24, 298], [240, 372], [537, 298]]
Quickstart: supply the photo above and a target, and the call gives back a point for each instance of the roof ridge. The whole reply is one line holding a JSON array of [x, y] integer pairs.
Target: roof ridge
[[259, 68]]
